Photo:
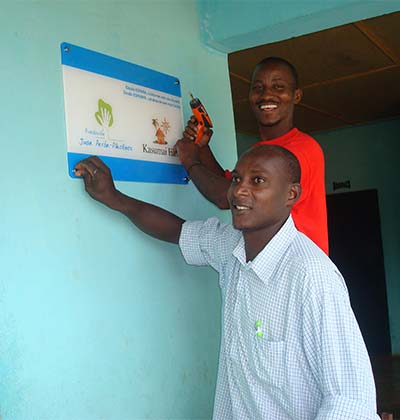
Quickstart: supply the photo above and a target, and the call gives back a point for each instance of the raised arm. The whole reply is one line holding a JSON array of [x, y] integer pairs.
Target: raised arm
[[151, 219], [213, 186], [206, 156]]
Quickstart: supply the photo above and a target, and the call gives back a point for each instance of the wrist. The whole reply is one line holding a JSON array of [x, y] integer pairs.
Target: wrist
[[117, 201]]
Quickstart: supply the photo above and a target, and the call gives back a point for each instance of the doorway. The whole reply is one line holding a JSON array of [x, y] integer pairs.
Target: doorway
[[356, 248]]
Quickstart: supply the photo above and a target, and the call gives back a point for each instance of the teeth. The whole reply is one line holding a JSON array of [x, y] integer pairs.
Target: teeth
[[242, 208], [268, 106]]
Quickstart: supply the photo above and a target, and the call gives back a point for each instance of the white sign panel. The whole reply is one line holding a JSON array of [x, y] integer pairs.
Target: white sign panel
[[130, 116]]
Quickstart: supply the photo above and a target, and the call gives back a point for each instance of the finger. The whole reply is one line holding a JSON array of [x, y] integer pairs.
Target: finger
[[189, 136], [79, 169], [208, 131], [192, 125], [88, 166], [190, 132], [191, 129], [100, 165], [205, 140]]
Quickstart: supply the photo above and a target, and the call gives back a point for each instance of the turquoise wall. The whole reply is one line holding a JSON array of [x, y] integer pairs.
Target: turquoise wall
[[230, 26], [244, 142], [368, 156], [98, 321]]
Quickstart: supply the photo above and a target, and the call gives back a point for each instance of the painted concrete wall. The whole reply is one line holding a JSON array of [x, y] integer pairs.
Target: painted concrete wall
[[98, 321], [244, 142], [229, 26], [368, 156]]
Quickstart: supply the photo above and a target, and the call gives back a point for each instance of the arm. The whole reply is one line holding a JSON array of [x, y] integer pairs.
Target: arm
[[336, 351], [206, 156], [152, 220], [213, 186]]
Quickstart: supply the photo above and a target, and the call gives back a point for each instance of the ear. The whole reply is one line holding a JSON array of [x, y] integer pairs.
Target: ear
[[298, 94], [294, 194]]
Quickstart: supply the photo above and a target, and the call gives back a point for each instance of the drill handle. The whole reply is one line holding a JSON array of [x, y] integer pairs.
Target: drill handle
[[206, 119]]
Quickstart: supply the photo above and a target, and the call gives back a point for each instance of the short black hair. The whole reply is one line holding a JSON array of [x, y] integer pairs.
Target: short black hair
[[293, 169], [280, 60]]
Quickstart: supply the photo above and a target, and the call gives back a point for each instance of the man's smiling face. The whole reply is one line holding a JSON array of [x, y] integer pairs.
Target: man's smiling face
[[261, 193], [273, 94]]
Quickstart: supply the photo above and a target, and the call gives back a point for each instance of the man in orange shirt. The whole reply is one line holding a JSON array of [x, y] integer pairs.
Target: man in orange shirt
[[273, 94]]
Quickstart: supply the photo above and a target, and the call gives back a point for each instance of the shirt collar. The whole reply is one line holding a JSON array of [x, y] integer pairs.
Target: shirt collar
[[287, 136], [265, 262]]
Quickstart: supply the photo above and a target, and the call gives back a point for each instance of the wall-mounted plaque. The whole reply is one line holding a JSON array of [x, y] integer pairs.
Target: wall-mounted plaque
[[128, 115]]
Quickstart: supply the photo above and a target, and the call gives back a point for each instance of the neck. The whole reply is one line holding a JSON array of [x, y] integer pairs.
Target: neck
[[272, 132], [256, 241]]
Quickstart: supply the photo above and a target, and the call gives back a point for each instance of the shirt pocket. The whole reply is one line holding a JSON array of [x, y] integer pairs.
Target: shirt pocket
[[269, 361]]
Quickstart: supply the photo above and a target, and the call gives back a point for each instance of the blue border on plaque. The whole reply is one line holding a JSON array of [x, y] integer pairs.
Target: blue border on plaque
[[136, 170], [125, 169], [84, 59]]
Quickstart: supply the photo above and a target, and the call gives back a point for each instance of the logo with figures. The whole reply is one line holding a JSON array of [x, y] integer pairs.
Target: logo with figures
[[161, 130], [104, 117]]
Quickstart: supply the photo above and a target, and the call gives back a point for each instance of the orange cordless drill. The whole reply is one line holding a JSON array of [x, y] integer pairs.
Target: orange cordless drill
[[200, 113]]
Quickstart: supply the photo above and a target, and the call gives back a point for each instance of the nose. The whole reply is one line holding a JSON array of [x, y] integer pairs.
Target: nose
[[266, 92], [240, 189]]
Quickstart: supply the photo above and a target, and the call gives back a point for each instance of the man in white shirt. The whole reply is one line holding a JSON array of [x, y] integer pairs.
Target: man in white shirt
[[291, 347]]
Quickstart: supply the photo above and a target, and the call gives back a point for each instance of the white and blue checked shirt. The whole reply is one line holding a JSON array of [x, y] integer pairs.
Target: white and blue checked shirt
[[291, 347]]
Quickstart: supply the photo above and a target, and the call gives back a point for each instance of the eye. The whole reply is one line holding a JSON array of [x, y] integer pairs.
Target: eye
[[257, 87], [235, 179], [259, 180], [278, 87]]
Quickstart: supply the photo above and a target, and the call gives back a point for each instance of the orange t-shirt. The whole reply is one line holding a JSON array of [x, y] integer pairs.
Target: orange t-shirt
[[309, 213]]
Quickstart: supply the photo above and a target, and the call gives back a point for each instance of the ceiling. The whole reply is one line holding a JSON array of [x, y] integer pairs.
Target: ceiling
[[349, 75]]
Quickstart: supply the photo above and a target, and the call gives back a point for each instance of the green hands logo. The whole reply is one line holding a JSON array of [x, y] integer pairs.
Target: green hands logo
[[104, 116]]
